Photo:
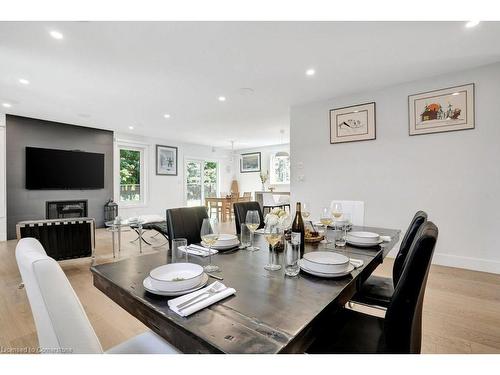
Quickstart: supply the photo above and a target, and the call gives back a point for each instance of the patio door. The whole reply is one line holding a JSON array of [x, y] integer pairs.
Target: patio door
[[202, 181]]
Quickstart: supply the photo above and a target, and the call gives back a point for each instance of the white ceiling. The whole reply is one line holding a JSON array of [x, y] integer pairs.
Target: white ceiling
[[118, 74]]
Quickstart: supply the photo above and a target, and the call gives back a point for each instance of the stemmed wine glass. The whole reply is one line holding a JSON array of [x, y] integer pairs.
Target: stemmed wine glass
[[336, 210], [273, 235], [305, 210], [253, 222], [209, 234], [326, 220]]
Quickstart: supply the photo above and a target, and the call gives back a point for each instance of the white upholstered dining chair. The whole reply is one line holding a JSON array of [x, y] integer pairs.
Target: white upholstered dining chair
[[354, 208], [61, 323]]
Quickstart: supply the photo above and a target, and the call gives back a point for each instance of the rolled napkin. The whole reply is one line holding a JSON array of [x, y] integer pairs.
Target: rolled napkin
[[197, 250], [386, 238], [202, 302], [356, 262]]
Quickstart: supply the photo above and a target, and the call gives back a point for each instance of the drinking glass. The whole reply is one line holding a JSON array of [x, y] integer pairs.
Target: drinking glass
[[326, 220], [340, 234], [292, 252], [273, 235], [179, 256], [244, 236], [306, 210], [253, 222], [209, 234], [337, 210]]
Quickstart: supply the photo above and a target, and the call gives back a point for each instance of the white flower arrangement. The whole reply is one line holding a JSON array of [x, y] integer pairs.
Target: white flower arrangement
[[278, 217]]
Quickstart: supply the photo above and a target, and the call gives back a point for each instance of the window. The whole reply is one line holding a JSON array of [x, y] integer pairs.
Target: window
[[201, 181], [132, 175], [279, 170]]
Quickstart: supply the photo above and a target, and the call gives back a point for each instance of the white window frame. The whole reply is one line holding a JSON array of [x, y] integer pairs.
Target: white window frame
[[184, 171], [272, 171], [143, 148]]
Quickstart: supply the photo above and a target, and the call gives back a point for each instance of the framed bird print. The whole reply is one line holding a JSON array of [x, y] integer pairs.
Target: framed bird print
[[352, 124]]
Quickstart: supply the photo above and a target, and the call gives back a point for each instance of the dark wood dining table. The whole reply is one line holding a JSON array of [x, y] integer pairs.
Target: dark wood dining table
[[270, 312]]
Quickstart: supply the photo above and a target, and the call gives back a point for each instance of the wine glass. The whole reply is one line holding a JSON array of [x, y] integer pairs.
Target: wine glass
[[209, 234], [336, 210], [273, 235], [253, 222], [305, 210], [326, 220]]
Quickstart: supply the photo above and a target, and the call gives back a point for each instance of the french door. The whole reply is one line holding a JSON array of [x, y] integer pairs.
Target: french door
[[202, 181]]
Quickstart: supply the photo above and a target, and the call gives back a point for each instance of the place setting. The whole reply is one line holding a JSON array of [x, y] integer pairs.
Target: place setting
[[366, 239]]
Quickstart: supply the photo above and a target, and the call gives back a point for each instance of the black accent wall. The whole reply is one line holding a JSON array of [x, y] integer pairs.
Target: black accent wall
[[23, 204]]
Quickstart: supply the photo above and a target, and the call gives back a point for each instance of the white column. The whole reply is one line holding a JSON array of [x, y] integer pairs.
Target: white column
[[3, 188]]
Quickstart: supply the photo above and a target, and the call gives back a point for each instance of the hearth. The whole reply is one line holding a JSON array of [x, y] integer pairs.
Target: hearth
[[66, 209]]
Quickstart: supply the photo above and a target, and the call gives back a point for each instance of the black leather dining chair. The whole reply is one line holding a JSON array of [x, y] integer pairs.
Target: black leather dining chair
[[400, 331], [185, 222], [378, 290], [240, 213]]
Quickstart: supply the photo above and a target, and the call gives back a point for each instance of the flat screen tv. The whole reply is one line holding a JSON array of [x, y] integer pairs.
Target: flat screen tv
[[48, 169]]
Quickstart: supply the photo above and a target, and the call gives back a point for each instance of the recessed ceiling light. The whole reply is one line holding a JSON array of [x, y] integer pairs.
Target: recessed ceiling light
[[56, 34], [471, 24], [131, 127], [166, 115], [6, 105], [24, 81], [222, 98], [455, 93], [310, 72]]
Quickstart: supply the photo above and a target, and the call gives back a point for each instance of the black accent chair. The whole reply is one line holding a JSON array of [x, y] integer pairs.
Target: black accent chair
[[377, 290], [401, 330], [240, 213], [185, 222]]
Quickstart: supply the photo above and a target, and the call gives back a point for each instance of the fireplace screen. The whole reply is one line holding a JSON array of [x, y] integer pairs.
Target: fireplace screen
[[66, 209]]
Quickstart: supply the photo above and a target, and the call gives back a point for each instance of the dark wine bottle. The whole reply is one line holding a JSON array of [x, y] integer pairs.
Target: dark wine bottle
[[298, 227]]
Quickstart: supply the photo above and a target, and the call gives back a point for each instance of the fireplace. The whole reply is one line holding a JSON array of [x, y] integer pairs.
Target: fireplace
[[66, 209]]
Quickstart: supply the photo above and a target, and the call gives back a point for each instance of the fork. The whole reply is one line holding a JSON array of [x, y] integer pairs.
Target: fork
[[214, 288]]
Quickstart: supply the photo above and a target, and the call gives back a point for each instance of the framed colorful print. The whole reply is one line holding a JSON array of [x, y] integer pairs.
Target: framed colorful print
[[166, 160], [250, 162], [352, 124], [442, 110]]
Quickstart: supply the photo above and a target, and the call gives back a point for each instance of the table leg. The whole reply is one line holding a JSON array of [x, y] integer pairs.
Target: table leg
[[113, 240], [119, 238], [140, 239]]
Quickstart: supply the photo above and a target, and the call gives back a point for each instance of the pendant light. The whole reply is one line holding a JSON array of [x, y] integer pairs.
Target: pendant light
[[282, 153]]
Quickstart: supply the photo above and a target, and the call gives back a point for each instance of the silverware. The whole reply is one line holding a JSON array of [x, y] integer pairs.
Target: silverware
[[202, 299], [215, 277], [213, 289]]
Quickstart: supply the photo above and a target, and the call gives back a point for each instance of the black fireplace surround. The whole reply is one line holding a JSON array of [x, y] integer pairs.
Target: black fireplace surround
[[66, 209]]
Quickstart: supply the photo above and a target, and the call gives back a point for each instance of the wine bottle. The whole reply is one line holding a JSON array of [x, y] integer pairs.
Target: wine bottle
[[298, 227]]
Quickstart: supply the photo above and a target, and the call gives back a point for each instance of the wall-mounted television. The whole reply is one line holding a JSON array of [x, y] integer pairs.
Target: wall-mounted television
[[50, 169]]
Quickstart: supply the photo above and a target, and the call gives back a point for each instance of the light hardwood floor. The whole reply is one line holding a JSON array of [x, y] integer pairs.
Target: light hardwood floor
[[461, 308]]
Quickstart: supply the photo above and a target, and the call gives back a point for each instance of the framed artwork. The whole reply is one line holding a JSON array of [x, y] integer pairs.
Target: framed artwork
[[352, 124], [166, 160], [250, 162], [442, 110]]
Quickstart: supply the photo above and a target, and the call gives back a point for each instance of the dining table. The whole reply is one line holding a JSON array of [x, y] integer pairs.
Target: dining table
[[269, 313], [223, 205]]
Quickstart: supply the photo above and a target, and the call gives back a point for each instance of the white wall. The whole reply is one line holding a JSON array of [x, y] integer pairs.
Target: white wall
[[168, 191], [454, 176], [251, 181], [3, 189]]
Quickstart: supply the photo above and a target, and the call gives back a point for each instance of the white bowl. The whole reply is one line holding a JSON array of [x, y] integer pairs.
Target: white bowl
[[176, 276], [363, 237], [227, 237], [326, 262]]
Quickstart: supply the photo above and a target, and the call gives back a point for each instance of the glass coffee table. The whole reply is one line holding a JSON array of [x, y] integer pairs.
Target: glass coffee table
[[115, 227]]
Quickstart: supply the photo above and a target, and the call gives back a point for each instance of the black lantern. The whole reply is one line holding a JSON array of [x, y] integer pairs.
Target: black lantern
[[110, 210]]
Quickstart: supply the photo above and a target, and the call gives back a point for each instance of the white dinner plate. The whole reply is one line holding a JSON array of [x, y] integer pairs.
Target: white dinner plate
[[149, 287], [350, 268], [174, 277], [363, 237], [224, 237], [260, 231], [359, 244], [325, 262], [224, 246]]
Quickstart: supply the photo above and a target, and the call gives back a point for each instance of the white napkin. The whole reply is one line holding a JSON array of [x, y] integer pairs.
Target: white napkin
[[173, 303], [356, 262], [385, 238], [197, 250]]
